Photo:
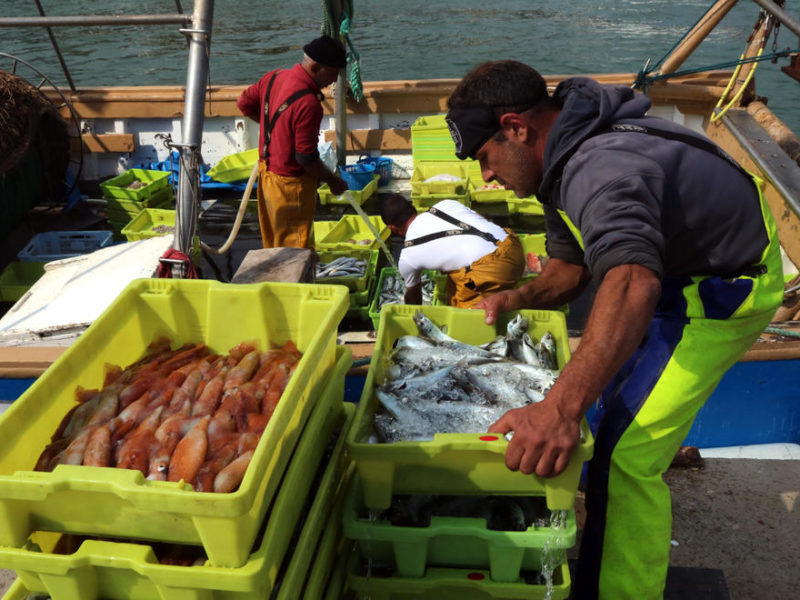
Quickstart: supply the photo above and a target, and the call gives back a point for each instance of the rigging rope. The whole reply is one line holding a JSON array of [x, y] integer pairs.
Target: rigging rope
[[342, 31], [644, 77]]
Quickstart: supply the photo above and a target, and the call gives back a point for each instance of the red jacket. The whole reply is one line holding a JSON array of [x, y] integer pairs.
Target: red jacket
[[297, 129]]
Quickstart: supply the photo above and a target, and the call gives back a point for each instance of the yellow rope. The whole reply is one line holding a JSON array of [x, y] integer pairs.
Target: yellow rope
[[719, 112]]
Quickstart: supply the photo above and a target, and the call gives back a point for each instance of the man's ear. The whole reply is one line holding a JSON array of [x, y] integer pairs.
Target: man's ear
[[516, 127]]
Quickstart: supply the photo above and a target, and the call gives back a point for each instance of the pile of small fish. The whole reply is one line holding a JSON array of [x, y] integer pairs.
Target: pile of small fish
[[502, 513], [183, 414], [344, 266], [393, 289], [437, 384]]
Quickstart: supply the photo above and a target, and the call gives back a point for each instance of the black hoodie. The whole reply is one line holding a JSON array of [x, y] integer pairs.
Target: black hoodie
[[641, 199]]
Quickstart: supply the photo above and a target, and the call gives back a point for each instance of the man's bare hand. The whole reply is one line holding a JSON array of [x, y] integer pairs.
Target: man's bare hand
[[543, 439], [500, 302], [338, 186]]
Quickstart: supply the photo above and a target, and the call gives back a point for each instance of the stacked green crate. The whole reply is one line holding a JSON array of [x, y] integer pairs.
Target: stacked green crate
[[387, 275], [455, 555], [433, 181], [125, 202], [361, 287], [432, 146], [317, 468]]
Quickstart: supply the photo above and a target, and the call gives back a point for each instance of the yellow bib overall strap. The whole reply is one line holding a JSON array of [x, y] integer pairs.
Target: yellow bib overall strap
[[575, 231]]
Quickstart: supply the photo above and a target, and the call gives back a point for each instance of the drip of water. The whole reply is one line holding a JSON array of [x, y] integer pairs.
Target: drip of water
[[372, 517], [553, 550]]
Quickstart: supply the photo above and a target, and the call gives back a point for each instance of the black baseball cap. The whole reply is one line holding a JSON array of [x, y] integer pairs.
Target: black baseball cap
[[326, 51]]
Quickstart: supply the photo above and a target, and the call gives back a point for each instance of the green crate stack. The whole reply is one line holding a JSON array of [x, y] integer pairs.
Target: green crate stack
[[428, 280], [317, 470], [425, 194], [361, 288], [186, 311], [120, 211], [451, 553]]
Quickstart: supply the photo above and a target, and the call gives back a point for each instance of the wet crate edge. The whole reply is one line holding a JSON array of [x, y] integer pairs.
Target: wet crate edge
[[69, 498], [462, 463]]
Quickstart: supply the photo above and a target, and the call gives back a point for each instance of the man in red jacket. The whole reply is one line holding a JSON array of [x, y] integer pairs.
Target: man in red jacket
[[287, 104]]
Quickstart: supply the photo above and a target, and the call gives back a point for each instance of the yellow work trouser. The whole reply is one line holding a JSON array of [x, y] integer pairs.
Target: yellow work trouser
[[286, 208], [495, 272]]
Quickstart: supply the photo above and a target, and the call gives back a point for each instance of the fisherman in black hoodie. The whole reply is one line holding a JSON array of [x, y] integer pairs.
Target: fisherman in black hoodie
[[686, 258]]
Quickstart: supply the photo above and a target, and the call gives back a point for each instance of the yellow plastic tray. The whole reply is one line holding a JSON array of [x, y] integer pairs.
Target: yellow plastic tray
[[360, 196], [353, 283], [121, 503], [113, 570], [424, 170], [143, 225], [234, 167], [453, 463], [353, 227]]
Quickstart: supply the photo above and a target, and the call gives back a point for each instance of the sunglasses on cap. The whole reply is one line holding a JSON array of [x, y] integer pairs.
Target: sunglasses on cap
[[473, 126]]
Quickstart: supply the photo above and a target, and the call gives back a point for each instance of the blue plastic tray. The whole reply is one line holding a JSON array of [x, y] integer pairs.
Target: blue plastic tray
[[55, 245]]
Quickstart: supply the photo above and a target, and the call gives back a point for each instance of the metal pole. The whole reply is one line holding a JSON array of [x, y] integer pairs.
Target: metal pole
[[340, 118], [194, 106], [781, 15], [82, 21]]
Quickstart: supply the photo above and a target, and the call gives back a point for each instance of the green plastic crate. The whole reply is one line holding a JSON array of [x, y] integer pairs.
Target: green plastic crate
[[454, 463], [525, 206], [424, 202], [451, 542], [122, 503], [374, 309], [430, 139], [354, 284], [117, 187], [424, 170], [464, 584], [360, 196], [353, 227], [143, 225], [315, 552], [235, 167], [119, 210], [17, 591], [114, 570], [17, 278], [321, 229]]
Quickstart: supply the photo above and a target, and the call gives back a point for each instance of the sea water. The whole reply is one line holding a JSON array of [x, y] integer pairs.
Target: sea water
[[413, 39]]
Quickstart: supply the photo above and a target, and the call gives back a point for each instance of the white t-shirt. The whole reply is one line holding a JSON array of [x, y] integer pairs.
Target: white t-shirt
[[447, 253]]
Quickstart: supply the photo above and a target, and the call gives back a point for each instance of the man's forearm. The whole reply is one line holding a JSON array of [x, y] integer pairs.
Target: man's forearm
[[622, 311], [559, 283], [318, 169]]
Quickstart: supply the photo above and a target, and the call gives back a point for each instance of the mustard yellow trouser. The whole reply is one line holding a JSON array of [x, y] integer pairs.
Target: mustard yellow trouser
[[286, 208], [495, 272]]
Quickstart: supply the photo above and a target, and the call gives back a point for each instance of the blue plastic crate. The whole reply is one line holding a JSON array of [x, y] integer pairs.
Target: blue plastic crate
[[55, 245]]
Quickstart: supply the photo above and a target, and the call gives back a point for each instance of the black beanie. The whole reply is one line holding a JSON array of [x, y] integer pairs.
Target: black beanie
[[326, 51]]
